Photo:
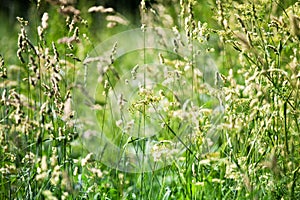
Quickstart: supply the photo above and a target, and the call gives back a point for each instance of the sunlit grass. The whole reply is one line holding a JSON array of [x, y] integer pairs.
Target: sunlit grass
[[230, 134]]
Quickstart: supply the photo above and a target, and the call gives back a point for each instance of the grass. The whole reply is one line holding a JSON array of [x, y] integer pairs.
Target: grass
[[211, 112]]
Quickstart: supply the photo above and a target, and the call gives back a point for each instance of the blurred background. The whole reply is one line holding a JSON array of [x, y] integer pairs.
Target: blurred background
[[167, 10], [9, 10]]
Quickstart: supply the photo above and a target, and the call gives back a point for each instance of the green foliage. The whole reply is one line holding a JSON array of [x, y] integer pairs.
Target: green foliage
[[253, 152]]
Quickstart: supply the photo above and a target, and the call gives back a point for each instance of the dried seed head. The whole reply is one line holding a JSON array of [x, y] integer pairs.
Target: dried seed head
[[106, 85], [143, 27], [55, 86], [44, 108], [241, 22], [245, 41], [46, 86], [68, 113], [19, 54], [3, 71], [22, 21], [121, 101], [40, 32], [38, 3], [69, 10], [45, 20], [76, 33], [161, 59], [111, 24], [33, 81], [295, 25], [100, 9], [73, 57], [48, 91], [143, 6], [44, 166], [67, 40], [273, 48], [20, 38], [85, 160], [70, 24], [113, 53], [59, 2], [3, 96], [117, 19], [119, 123], [56, 55], [134, 72]]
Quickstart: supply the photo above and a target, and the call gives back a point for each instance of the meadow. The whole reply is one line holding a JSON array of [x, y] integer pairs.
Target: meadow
[[186, 99]]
